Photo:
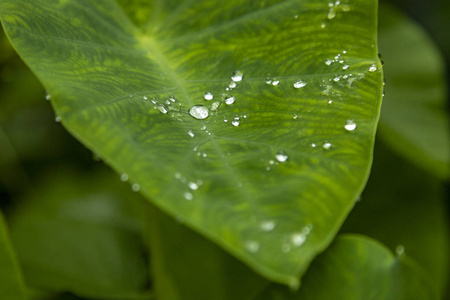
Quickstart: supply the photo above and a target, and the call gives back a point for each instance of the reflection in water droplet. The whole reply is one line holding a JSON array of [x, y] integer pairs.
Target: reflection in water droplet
[[199, 112], [191, 133], [193, 186], [281, 156], [267, 225], [350, 125], [124, 177], [252, 246], [299, 84], [135, 187], [188, 196], [373, 68], [237, 76], [208, 96], [229, 100], [326, 146]]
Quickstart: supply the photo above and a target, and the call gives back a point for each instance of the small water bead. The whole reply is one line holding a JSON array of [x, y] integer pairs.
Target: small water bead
[[298, 239], [199, 112], [281, 156], [124, 177], [299, 84], [336, 79], [326, 146], [330, 101], [237, 76], [135, 187], [328, 62], [400, 249], [323, 25], [345, 67], [275, 82], [230, 100], [47, 96], [350, 125], [252, 246], [267, 225], [191, 133], [232, 85], [331, 13], [208, 96], [193, 186], [373, 68], [215, 105], [145, 98], [188, 196], [235, 123], [153, 101], [268, 80], [294, 117], [57, 119], [162, 109]]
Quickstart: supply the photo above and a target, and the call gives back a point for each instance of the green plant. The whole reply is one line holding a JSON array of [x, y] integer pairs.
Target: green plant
[[250, 127]]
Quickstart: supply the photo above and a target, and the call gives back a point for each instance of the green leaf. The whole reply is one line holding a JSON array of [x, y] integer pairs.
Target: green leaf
[[81, 235], [414, 119], [247, 176], [405, 208], [11, 283], [356, 268]]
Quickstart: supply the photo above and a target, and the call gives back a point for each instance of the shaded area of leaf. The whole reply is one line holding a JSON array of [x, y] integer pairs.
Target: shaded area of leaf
[[98, 67], [404, 206], [11, 283], [81, 235], [356, 268], [414, 119]]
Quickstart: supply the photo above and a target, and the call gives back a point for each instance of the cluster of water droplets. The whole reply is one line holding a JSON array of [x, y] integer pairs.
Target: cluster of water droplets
[[334, 7], [190, 186]]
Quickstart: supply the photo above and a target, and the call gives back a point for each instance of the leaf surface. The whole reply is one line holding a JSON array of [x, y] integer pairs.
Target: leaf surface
[[270, 174], [11, 282], [414, 119]]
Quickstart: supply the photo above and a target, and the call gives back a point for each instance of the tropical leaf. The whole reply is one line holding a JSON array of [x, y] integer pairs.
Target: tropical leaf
[[269, 167], [11, 282], [355, 268], [414, 119]]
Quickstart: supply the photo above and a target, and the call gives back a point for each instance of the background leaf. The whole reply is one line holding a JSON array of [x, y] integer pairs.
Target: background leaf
[[414, 119], [269, 177], [82, 236], [355, 267], [11, 283]]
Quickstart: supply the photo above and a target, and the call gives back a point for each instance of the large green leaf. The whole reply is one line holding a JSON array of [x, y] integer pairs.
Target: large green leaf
[[11, 283], [81, 235], [269, 177], [414, 119], [358, 268]]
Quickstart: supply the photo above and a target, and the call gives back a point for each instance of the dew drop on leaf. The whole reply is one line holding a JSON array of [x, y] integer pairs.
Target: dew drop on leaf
[[350, 125], [57, 119], [237, 76], [230, 100], [275, 82], [124, 177], [252, 246], [281, 156], [191, 133], [235, 123], [299, 84], [193, 186], [47, 96], [326, 146], [162, 108], [298, 239], [208, 96], [232, 85], [199, 112], [135, 187], [267, 225], [373, 68], [188, 196]]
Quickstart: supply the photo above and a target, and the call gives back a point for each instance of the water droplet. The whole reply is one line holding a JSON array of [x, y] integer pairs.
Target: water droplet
[[215, 105], [345, 67], [299, 84], [191, 133], [188, 196], [135, 187], [229, 100], [330, 101], [323, 25], [178, 176], [313, 145], [275, 82], [124, 177], [131, 96], [47, 96], [336, 79], [267, 225], [199, 112], [328, 62], [281, 156], [400, 250], [145, 98], [162, 108], [237, 76], [235, 123], [345, 7], [252, 246], [232, 85], [268, 80], [350, 125], [208, 96], [294, 117], [373, 68], [326, 146], [298, 239], [57, 119], [296, 17], [331, 13], [193, 186]]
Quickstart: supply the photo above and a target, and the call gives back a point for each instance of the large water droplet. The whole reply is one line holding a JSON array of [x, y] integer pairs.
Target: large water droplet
[[208, 96], [237, 76], [252, 246], [299, 84], [281, 156], [162, 108], [373, 68], [199, 112], [350, 125]]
